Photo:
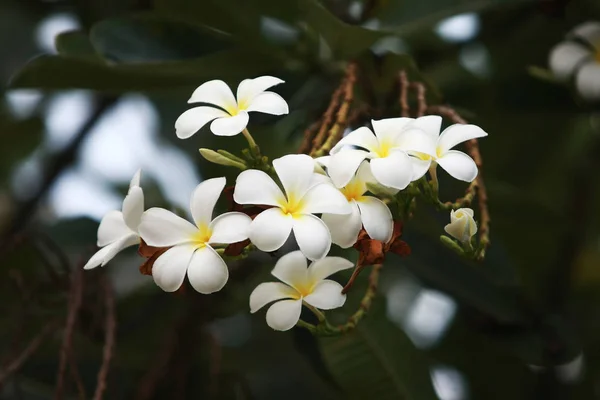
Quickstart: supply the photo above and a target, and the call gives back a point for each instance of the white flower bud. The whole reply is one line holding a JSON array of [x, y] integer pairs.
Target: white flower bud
[[462, 226]]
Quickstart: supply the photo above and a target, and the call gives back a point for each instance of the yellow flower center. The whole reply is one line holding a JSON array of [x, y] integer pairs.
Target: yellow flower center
[[426, 157], [384, 149], [202, 236], [292, 206], [304, 289], [354, 190], [459, 214]]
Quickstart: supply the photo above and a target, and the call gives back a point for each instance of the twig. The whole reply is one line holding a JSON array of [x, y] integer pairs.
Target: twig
[[309, 136], [74, 305], [404, 107], [31, 348], [74, 370], [421, 100], [110, 327], [328, 117]]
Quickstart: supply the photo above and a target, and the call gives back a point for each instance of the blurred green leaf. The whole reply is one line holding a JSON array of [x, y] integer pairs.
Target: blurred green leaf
[[378, 361], [20, 138], [151, 38], [76, 44]]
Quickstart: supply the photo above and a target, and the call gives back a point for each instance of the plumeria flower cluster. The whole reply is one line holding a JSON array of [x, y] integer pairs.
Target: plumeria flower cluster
[[578, 58], [335, 199]]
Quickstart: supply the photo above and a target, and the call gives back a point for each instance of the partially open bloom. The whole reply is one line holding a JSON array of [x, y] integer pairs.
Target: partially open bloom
[[462, 226], [191, 246], [306, 193], [572, 58], [230, 115], [456, 163], [300, 284], [119, 229], [367, 211], [387, 149]]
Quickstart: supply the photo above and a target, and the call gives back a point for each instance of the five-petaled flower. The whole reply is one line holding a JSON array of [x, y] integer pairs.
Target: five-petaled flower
[[367, 211], [456, 163], [119, 229], [190, 245], [301, 284], [582, 60], [231, 117], [306, 193], [387, 149], [462, 226]]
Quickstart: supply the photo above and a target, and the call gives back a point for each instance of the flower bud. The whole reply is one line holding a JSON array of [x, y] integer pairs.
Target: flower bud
[[221, 159], [462, 226]]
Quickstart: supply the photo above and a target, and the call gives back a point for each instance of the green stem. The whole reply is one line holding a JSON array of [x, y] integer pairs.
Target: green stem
[[320, 316], [434, 179], [253, 146]]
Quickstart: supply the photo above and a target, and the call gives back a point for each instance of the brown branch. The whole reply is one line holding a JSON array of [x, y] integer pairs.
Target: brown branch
[[74, 305], [74, 370], [31, 348], [328, 117], [110, 327], [404, 107], [309, 136], [421, 100]]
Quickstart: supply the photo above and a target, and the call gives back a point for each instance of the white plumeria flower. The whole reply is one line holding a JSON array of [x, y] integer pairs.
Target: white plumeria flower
[[190, 245], [306, 193], [367, 211], [570, 58], [387, 149], [456, 163], [119, 229], [462, 225], [232, 116], [301, 284]]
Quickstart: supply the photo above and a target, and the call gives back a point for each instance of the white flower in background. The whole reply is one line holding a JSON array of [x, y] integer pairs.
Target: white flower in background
[[306, 193], [582, 60], [232, 116], [367, 211], [387, 151], [301, 284], [456, 163], [462, 226], [119, 229], [191, 248]]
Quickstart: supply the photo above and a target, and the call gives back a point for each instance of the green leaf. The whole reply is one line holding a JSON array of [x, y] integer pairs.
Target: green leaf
[[20, 138], [59, 72], [151, 38], [75, 44], [378, 361]]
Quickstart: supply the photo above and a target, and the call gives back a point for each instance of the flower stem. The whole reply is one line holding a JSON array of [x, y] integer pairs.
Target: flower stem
[[434, 179], [253, 146], [320, 316]]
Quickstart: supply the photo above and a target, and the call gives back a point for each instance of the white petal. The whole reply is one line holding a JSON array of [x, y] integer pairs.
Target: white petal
[[248, 89], [230, 126], [376, 218], [270, 229], [565, 57], [324, 198], [292, 269], [343, 166], [135, 181], [326, 295], [394, 170], [268, 292], [364, 174], [105, 254], [588, 31], [430, 124], [207, 271], [162, 228], [388, 129], [459, 165], [204, 199], [419, 167], [269, 103], [112, 228], [256, 187], [284, 314], [215, 92], [169, 269], [312, 236], [323, 161], [194, 119], [344, 229], [295, 171], [456, 134], [411, 140], [230, 227], [588, 81], [133, 208], [326, 267], [361, 137]]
